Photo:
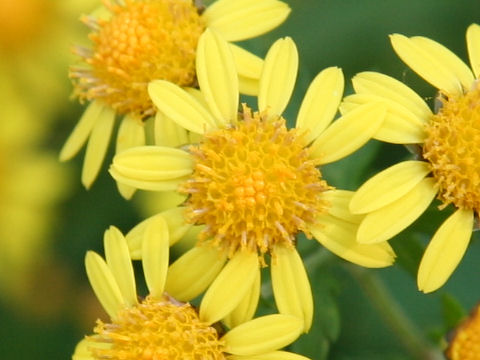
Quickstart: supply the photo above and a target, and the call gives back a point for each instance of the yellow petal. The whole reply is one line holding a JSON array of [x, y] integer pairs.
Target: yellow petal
[[229, 287], [118, 260], [291, 286], [400, 125], [176, 224], [320, 103], [248, 86], [155, 254], [82, 130], [167, 132], [153, 163], [388, 185], [83, 349], [374, 83], [436, 71], [217, 76], [193, 272], [246, 309], [130, 133], [339, 237], [388, 221], [473, 45], [445, 250], [278, 76], [153, 185], [263, 334], [348, 133], [198, 95], [243, 19], [180, 106], [274, 355], [97, 146], [339, 201], [451, 61], [103, 284], [248, 65]]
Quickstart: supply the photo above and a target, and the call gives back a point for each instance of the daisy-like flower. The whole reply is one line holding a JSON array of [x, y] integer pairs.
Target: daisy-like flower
[[465, 342], [252, 183], [159, 326], [137, 41], [446, 140]]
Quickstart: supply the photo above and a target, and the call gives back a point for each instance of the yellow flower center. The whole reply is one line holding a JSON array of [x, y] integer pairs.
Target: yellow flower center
[[157, 329], [21, 21], [143, 40], [253, 185], [465, 344], [452, 149]]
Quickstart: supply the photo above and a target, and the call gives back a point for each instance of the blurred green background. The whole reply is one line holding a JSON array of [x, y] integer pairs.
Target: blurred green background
[[354, 307]]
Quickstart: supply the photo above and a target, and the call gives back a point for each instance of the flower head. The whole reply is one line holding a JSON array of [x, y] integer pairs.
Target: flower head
[[137, 41], [160, 326], [252, 183], [465, 342], [447, 152]]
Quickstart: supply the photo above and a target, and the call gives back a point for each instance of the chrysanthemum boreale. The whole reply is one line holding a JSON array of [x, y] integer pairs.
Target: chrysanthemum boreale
[[160, 326], [448, 155], [137, 41], [253, 183]]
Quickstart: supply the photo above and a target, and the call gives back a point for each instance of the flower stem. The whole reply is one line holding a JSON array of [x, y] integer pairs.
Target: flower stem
[[393, 315]]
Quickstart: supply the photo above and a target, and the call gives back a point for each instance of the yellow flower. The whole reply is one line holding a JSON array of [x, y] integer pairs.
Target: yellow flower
[[447, 161], [161, 327], [465, 342], [137, 41], [252, 183], [31, 184], [34, 54]]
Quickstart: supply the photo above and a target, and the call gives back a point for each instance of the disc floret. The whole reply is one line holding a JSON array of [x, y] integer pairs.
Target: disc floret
[[254, 185], [143, 40], [452, 149], [158, 329]]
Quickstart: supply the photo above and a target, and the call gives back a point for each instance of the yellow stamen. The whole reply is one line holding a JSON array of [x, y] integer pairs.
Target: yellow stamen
[[21, 21], [254, 185], [158, 329], [465, 344], [452, 149], [144, 40]]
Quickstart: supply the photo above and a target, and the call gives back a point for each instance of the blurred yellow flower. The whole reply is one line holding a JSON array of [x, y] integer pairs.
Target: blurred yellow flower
[[137, 41], [35, 36], [465, 342], [252, 183], [447, 163], [31, 183], [161, 327]]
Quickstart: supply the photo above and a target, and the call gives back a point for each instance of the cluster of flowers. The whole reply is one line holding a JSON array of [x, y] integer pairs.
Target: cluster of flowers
[[249, 184]]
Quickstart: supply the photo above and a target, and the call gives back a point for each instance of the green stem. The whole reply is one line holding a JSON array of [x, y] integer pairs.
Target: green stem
[[393, 315]]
